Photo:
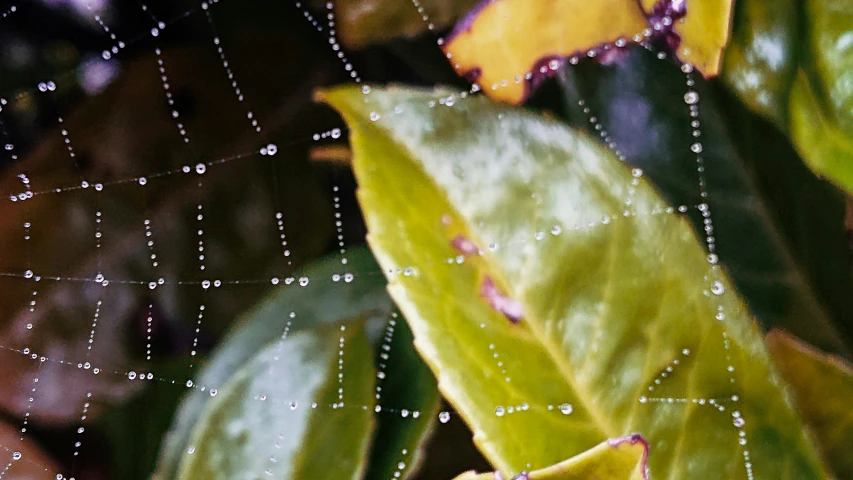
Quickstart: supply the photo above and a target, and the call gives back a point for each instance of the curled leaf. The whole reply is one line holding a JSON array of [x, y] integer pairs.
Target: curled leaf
[[617, 459]]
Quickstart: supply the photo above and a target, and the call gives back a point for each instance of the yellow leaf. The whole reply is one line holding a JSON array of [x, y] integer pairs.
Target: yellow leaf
[[507, 46]]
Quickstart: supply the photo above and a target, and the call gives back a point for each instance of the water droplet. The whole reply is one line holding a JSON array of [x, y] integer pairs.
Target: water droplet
[[717, 288], [16, 456], [696, 147], [444, 417], [131, 375], [566, 408], [499, 411], [691, 97], [200, 168], [374, 116]]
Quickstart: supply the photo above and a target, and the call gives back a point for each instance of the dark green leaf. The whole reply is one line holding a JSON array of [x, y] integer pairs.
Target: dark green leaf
[[135, 429], [409, 403], [792, 61]]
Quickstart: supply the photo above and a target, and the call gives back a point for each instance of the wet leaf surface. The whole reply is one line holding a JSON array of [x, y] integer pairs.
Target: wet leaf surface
[[610, 300]]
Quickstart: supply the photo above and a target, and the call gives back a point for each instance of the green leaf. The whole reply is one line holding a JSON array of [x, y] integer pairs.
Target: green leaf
[[563, 309], [619, 459], [822, 386], [408, 405], [761, 59], [791, 266], [792, 61], [290, 429], [324, 301]]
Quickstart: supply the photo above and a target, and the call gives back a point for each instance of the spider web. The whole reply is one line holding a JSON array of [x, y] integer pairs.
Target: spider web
[[96, 246]]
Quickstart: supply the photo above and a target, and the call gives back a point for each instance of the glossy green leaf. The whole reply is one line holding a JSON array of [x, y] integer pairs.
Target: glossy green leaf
[[761, 59], [548, 307], [791, 266], [324, 301], [260, 424], [619, 459], [792, 61], [823, 389]]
